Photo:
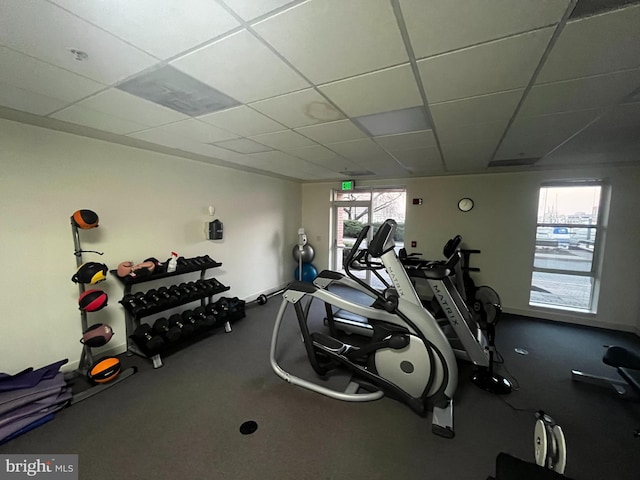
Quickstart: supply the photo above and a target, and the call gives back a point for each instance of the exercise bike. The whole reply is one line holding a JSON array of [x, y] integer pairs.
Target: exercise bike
[[407, 358]]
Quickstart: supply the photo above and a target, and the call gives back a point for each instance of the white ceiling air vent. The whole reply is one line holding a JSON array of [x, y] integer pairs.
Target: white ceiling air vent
[[514, 162], [357, 173], [178, 91], [406, 120]]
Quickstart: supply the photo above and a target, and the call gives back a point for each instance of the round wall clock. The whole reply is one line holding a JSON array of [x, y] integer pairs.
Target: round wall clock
[[465, 204]]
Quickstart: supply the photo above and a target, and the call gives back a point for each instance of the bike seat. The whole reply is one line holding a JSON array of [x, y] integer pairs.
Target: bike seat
[[618, 357]]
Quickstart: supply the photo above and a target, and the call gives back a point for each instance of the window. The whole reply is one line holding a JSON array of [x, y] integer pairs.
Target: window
[[568, 232]]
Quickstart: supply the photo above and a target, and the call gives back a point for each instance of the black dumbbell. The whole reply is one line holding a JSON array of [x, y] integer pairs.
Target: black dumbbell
[[142, 301], [222, 305], [162, 327], [147, 339], [214, 285], [179, 295], [165, 294], [175, 320], [190, 290], [188, 318], [183, 263], [155, 298], [213, 310], [208, 320], [132, 304]]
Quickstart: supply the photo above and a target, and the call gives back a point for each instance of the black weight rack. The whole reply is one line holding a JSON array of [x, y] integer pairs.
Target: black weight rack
[[133, 319]]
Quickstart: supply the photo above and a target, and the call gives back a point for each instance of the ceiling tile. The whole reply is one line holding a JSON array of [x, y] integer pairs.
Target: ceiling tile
[[162, 29], [484, 108], [171, 140], [580, 94], [622, 117], [243, 145], [599, 44], [242, 120], [234, 64], [390, 89], [325, 158], [315, 153], [332, 132], [467, 157], [21, 29], [99, 120], [535, 136], [429, 23], [359, 149], [28, 73], [121, 104], [464, 73], [407, 141], [339, 165], [391, 169], [422, 159], [250, 9], [473, 133], [612, 138], [327, 44], [285, 140], [28, 101], [299, 109], [195, 130], [288, 165]]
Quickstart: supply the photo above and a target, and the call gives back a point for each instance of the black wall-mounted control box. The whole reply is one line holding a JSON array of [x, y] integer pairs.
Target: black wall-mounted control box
[[215, 230]]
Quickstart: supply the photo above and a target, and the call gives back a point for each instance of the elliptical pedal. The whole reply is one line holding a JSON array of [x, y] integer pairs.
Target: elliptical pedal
[[330, 343]]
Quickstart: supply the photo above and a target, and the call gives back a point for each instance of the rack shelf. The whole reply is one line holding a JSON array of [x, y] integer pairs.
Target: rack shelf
[[133, 315]]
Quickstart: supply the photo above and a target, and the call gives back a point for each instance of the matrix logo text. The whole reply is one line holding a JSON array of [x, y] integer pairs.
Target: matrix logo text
[[51, 467]]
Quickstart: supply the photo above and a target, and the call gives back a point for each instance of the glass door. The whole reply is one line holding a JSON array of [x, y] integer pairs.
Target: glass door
[[350, 216], [352, 210]]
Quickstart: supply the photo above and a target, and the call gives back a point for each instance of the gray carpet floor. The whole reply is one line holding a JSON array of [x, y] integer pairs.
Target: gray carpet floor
[[183, 420]]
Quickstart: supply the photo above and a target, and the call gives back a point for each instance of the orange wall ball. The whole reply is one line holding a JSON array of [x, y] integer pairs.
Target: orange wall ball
[[85, 218]]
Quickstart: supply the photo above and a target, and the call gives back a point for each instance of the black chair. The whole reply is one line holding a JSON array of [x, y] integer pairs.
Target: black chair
[[509, 467]]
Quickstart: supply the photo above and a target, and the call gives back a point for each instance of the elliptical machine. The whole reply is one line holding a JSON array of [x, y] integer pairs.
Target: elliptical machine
[[407, 358]]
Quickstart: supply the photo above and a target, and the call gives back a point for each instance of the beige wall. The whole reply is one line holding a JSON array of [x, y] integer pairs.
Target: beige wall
[[502, 225], [149, 204]]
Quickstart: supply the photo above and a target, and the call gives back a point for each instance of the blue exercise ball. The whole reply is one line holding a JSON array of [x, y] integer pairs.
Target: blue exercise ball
[[309, 272]]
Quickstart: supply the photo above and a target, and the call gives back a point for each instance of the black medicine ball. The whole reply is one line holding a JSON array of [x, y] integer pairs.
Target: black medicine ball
[[97, 335], [91, 273]]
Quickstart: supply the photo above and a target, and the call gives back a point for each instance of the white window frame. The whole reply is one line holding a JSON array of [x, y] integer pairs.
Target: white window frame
[[596, 267]]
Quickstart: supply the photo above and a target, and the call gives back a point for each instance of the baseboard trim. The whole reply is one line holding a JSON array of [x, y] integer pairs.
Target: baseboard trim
[[574, 319]]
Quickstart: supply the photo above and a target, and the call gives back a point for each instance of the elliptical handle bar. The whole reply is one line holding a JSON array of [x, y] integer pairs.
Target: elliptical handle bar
[[383, 241], [361, 236]]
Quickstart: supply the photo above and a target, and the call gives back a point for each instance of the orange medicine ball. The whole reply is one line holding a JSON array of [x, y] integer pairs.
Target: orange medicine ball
[[85, 218], [104, 370]]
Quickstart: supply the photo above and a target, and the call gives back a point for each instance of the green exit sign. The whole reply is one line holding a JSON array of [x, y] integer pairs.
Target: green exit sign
[[347, 185]]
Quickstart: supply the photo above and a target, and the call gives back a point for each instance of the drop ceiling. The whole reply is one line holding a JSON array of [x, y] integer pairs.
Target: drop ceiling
[[329, 89]]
